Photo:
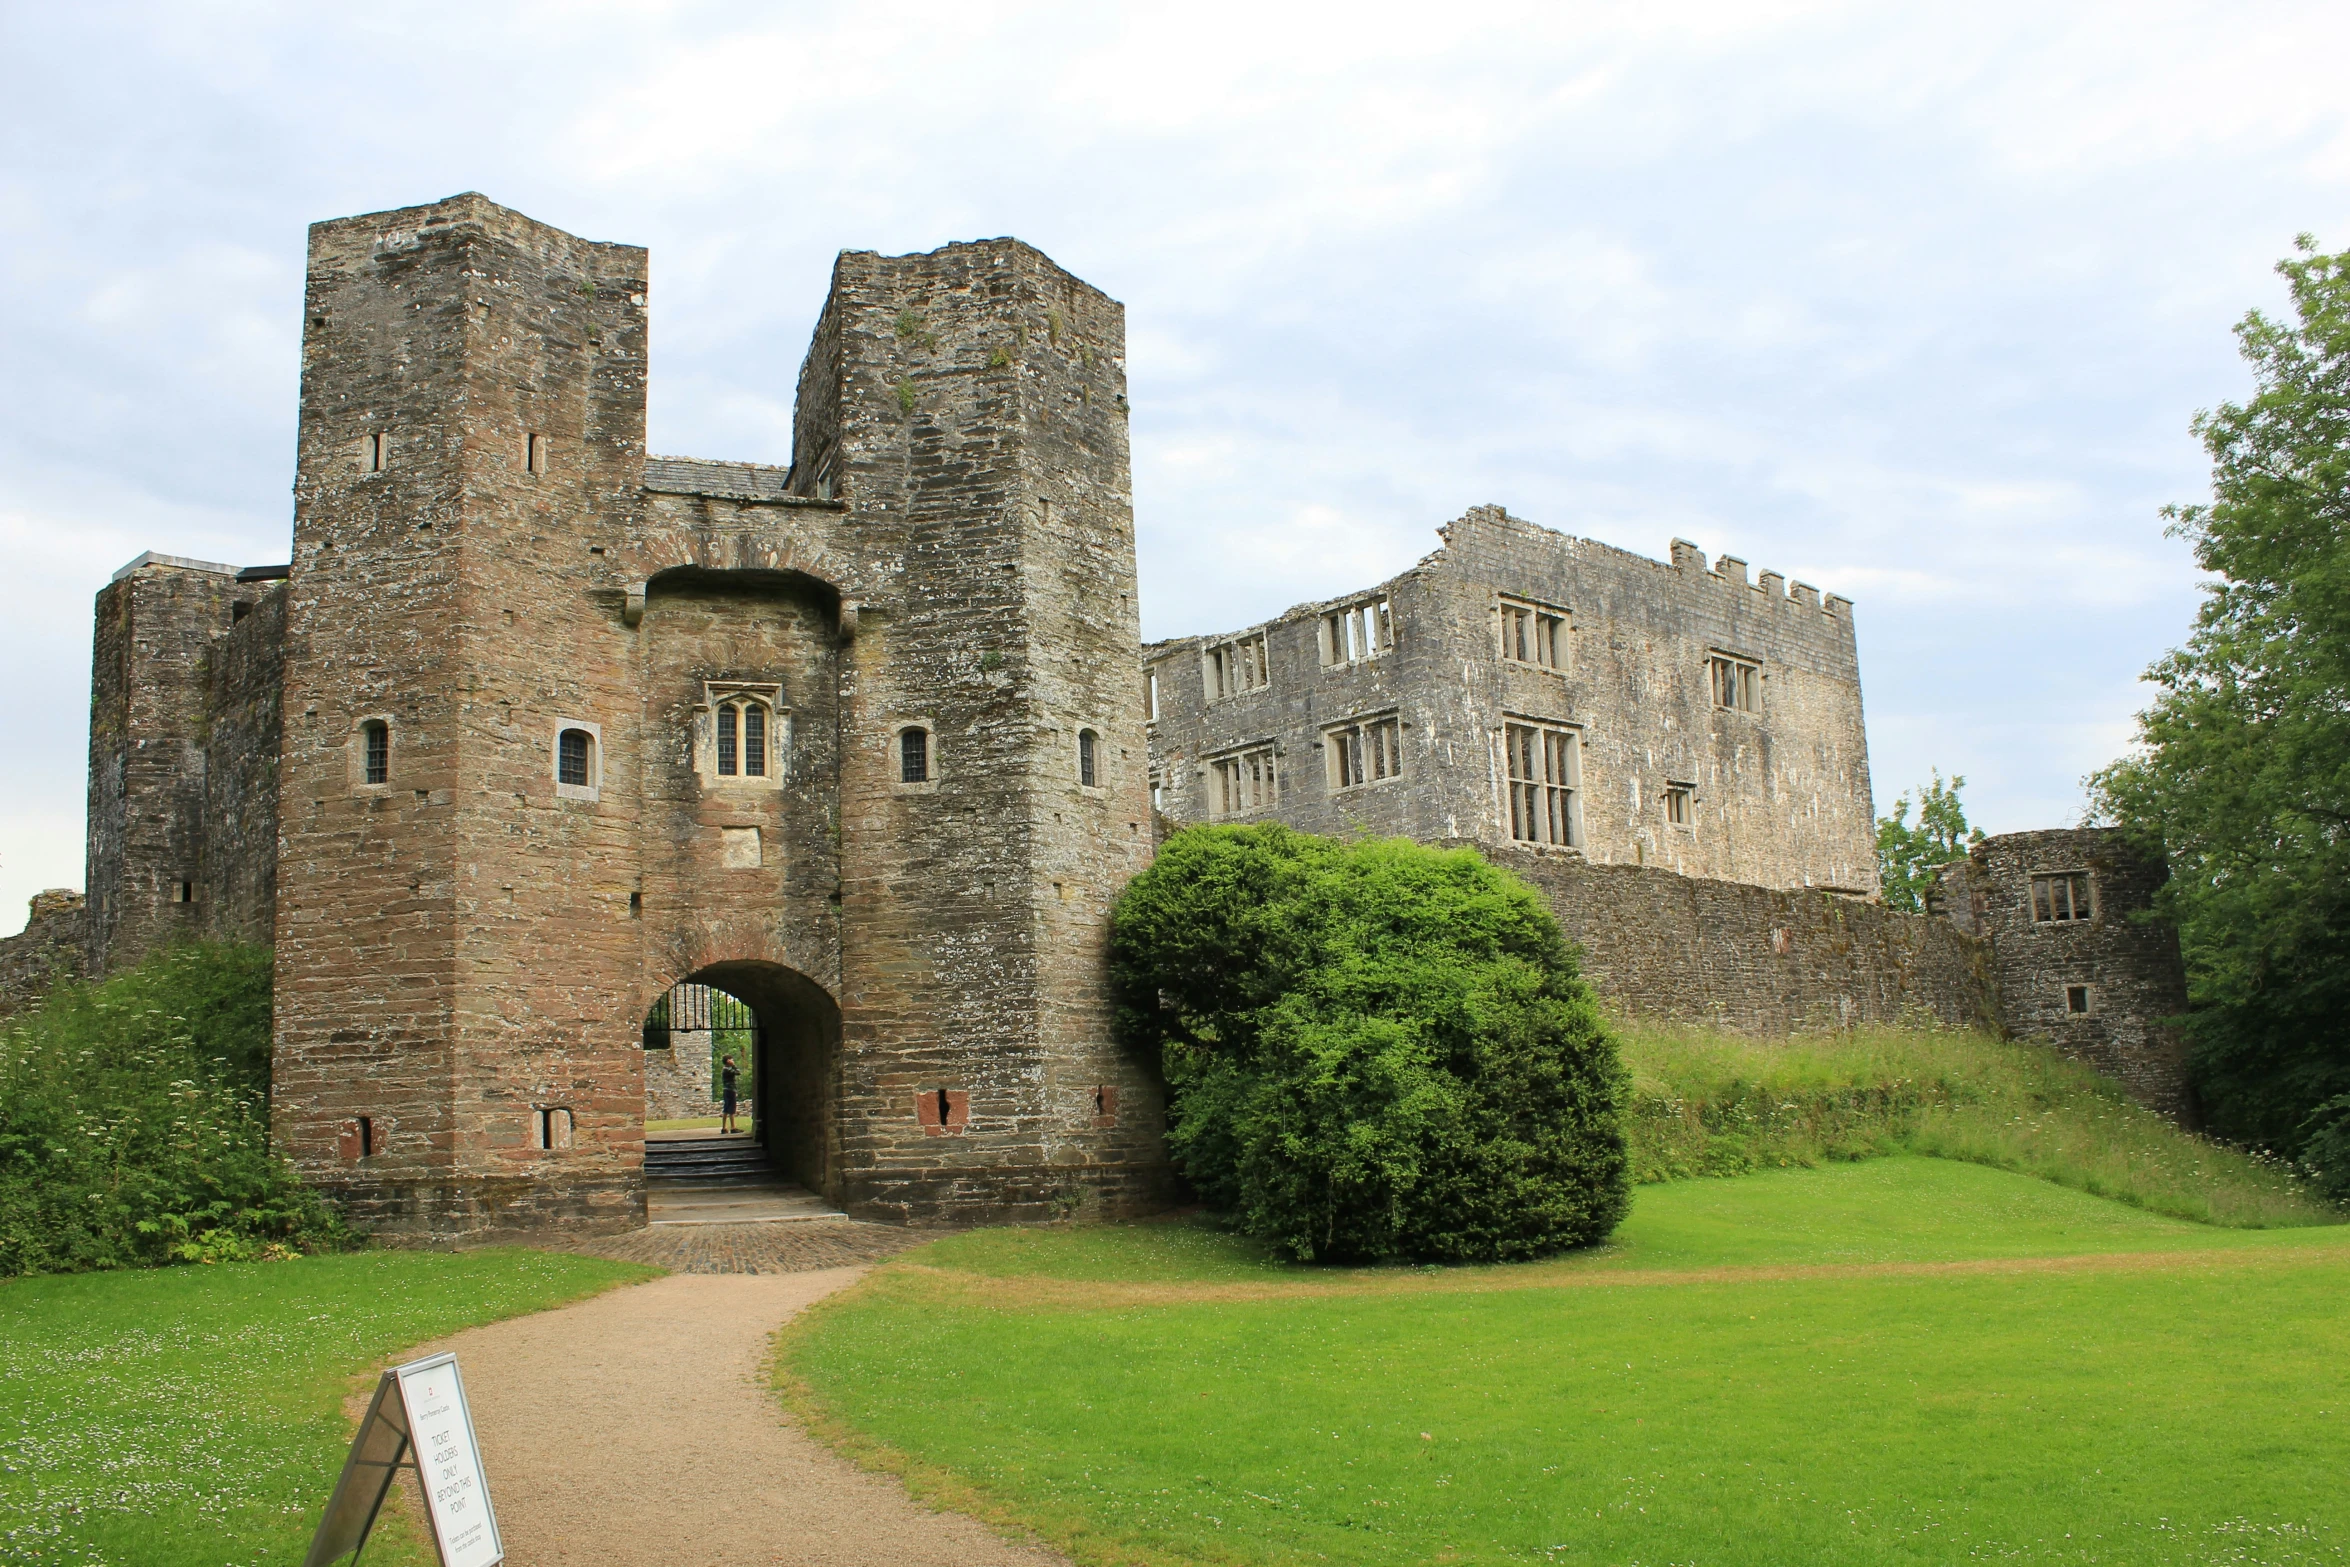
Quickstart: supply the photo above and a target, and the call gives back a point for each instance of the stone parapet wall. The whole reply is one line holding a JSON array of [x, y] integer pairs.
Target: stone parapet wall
[[1756, 960]]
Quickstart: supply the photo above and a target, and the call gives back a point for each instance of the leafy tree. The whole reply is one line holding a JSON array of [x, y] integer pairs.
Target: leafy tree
[[1907, 856], [1375, 1050], [2242, 772]]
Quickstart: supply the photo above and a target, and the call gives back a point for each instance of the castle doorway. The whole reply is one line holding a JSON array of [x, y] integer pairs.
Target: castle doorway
[[783, 1029]]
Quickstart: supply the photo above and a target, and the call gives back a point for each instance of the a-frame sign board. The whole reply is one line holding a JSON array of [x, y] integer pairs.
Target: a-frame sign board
[[417, 1420]]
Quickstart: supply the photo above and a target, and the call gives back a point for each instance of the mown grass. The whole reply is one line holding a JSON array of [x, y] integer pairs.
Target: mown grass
[[1708, 1104], [1899, 1361], [194, 1415]]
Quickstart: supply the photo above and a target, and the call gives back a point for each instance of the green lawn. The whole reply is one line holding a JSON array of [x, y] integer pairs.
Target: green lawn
[[1899, 1361], [194, 1415]]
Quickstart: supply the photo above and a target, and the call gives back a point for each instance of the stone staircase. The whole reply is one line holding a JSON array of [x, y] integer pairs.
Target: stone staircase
[[696, 1177]]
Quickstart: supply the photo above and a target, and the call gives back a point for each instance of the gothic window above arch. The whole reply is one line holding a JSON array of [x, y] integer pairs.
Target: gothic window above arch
[[742, 735]]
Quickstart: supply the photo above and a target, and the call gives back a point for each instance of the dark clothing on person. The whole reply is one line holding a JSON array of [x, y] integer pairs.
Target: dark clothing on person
[[727, 1078]]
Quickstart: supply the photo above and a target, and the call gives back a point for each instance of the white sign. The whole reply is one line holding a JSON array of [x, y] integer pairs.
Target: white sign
[[441, 1429], [417, 1420]]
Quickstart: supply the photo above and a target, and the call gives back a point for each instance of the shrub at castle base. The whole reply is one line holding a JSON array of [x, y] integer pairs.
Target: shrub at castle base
[[1376, 1050], [134, 1122]]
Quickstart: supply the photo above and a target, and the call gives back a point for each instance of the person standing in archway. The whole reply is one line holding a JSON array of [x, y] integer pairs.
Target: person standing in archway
[[726, 1085]]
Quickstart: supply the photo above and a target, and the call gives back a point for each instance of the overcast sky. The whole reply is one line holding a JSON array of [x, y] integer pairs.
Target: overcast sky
[[1912, 304]]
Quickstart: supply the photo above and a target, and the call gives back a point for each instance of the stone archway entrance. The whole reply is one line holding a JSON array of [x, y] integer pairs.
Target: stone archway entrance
[[784, 1030]]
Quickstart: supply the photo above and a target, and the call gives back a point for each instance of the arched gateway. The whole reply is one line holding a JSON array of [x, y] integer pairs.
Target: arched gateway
[[566, 725], [783, 1030]]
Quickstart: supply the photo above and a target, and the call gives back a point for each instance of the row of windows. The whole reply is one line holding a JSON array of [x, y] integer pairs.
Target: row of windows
[[742, 749], [1543, 767], [1530, 633]]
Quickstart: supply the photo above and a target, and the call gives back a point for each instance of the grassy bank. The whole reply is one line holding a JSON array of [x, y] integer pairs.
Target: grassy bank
[[1899, 1361], [194, 1415], [1709, 1104]]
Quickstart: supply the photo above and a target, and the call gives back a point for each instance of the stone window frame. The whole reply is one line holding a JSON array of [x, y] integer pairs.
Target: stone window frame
[[553, 1128], [1682, 794], [1150, 693], [371, 454], [355, 749], [1718, 660], [1225, 775], [1093, 732], [893, 756], [1360, 631], [1572, 786], [1559, 640], [1237, 666], [593, 789], [2087, 991], [717, 693], [1337, 750], [2088, 877]]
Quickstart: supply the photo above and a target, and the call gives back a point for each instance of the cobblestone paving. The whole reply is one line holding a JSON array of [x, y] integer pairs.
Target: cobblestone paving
[[800, 1246]]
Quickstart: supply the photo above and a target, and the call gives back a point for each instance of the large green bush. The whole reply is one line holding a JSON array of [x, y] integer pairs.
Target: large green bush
[[134, 1122], [1375, 1050]]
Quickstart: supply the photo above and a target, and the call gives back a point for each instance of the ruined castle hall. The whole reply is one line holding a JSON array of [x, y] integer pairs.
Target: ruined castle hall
[[534, 729]]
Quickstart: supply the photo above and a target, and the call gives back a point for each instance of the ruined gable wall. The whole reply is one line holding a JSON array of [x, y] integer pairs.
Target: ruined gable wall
[[1782, 795]]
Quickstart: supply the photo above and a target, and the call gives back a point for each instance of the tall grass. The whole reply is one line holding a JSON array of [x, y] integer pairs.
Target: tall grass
[[1707, 1104], [134, 1123]]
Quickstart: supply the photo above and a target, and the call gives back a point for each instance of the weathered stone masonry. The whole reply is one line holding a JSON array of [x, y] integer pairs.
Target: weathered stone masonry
[[535, 727], [1675, 757], [492, 771]]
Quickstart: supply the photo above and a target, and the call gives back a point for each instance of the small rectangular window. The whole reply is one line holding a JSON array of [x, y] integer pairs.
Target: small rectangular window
[[1362, 753], [914, 756], [377, 736], [1678, 809], [367, 1137], [1238, 666], [534, 453], [2076, 999], [1242, 783], [1533, 633], [1545, 766], [1150, 692], [1737, 682], [376, 452], [2061, 896], [573, 758], [184, 892], [1357, 632], [1086, 742], [726, 740]]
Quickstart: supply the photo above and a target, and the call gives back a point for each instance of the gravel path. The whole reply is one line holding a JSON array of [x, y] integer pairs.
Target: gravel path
[[636, 1427]]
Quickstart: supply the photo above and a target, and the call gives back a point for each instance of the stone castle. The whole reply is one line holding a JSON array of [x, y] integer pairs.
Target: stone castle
[[535, 728]]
